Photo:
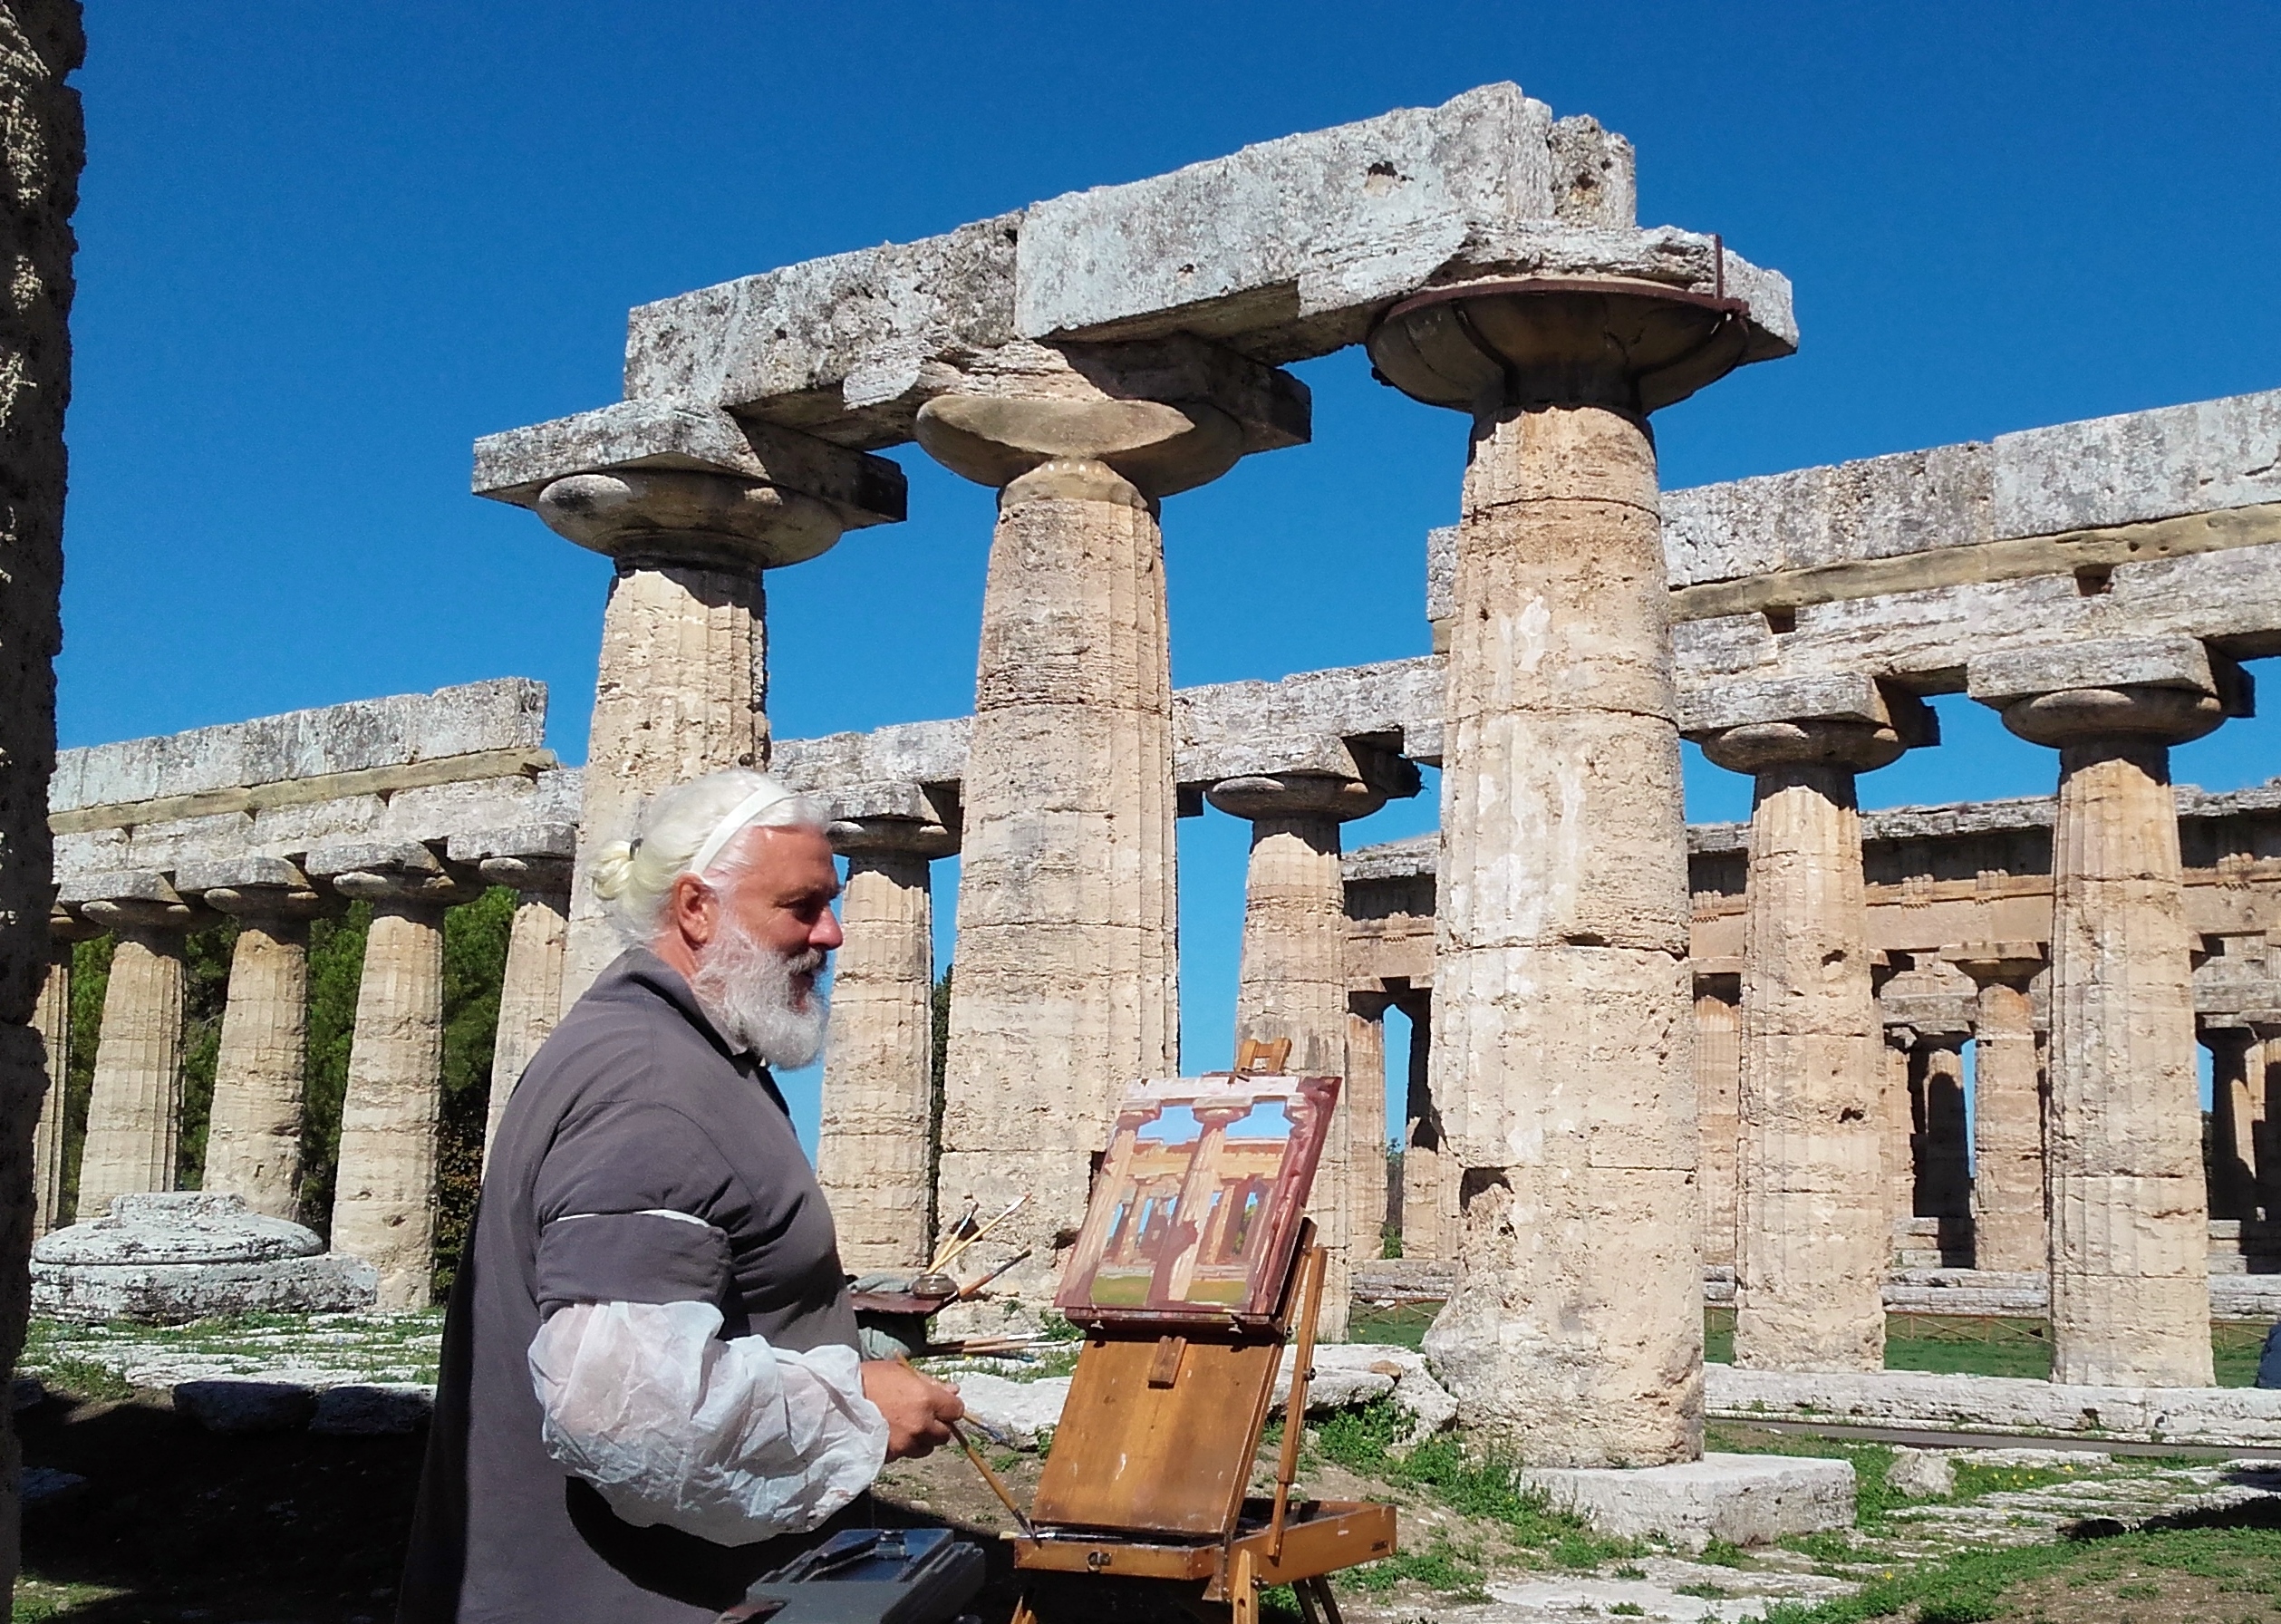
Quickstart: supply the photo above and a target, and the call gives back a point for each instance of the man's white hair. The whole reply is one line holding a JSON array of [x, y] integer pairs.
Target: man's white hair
[[692, 828]]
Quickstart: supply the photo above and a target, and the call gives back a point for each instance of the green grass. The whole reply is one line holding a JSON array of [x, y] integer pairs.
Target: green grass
[[1403, 1324], [1445, 1566], [1970, 1346]]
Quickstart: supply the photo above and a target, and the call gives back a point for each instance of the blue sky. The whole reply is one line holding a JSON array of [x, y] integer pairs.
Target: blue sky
[[324, 247]]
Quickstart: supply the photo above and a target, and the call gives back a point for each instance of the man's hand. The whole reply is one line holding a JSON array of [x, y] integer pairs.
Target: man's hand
[[919, 1409]]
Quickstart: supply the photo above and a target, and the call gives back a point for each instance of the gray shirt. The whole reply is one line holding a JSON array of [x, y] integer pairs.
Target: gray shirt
[[635, 1106]]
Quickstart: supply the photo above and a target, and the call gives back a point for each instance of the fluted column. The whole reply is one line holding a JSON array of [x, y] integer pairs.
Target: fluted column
[[873, 1157], [1362, 1102], [134, 1103], [1810, 1253], [530, 986], [384, 1188], [1291, 981], [1431, 1173], [681, 688], [2129, 1214], [1897, 1113], [51, 1019], [1563, 1066], [2008, 1230], [1718, 1065], [1068, 961], [253, 1137], [1944, 1142], [2234, 1116]]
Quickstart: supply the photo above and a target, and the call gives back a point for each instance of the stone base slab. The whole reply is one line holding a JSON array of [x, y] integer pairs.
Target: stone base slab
[[177, 1294], [1744, 1499], [2218, 1417]]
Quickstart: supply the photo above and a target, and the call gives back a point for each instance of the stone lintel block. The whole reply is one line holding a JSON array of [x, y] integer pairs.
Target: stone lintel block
[[401, 730], [2184, 663], [1835, 696], [516, 466], [919, 753], [899, 799], [1404, 859], [128, 886], [409, 858], [2139, 465], [1744, 1499], [1229, 730], [849, 346], [529, 840], [251, 872]]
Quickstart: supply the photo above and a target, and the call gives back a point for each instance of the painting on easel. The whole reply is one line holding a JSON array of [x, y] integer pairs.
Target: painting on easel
[[1198, 1198]]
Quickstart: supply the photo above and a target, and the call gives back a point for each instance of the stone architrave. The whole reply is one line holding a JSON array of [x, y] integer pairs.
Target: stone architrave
[[1292, 979], [2130, 1240], [692, 507], [1362, 1102], [530, 988], [1719, 1066], [2008, 1228], [253, 1137], [1563, 1066], [1066, 987], [384, 1188], [874, 1158], [51, 1019], [1810, 1254], [134, 1103]]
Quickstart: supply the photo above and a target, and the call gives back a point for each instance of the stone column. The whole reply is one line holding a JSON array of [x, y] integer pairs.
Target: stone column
[[52, 1021], [1564, 1066], [1810, 1253], [1718, 1064], [534, 860], [253, 1137], [1944, 1143], [1292, 977], [1362, 1102], [873, 1154], [2234, 1122], [384, 1190], [1068, 962], [2263, 1056], [134, 1102], [2008, 1230], [2130, 1214], [1431, 1173], [1897, 1113]]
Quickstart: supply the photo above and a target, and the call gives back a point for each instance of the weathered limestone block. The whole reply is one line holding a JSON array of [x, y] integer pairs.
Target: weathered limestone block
[[169, 1258], [383, 1201], [2129, 1206], [2139, 465], [536, 860], [1718, 1064], [873, 1153], [1811, 1254], [1068, 960], [2008, 1228], [1292, 979], [51, 1019], [1575, 1336], [1740, 1498], [134, 1101], [253, 1137], [693, 509]]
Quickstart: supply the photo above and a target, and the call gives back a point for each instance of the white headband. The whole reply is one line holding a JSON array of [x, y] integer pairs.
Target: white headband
[[768, 794]]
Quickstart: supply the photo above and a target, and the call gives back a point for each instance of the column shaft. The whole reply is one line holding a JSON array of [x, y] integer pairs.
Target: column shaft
[[872, 1151], [1898, 1114], [383, 1203], [1719, 1063], [1563, 1067], [1431, 1173], [1944, 1166], [1362, 1103], [51, 1019], [1292, 983], [253, 1142], [2129, 1214], [2007, 1111], [1068, 939], [1811, 1253], [133, 1102], [530, 996], [682, 690]]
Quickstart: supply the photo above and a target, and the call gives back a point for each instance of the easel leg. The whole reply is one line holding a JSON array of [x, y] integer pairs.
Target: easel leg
[[1316, 1593], [1305, 1590], [1243, 1591], [1023, 1612]]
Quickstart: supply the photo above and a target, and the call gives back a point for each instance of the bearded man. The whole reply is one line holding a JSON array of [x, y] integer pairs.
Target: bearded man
[[650, 1381]]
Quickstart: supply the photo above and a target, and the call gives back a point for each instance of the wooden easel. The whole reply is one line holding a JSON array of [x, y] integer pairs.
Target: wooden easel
[[1146, 1475]]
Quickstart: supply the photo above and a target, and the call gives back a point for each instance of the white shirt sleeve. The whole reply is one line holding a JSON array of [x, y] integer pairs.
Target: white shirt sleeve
[[733, 1441]]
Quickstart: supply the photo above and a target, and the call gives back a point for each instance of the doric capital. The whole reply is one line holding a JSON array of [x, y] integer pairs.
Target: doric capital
[[1294, 795], [893, 816], [891, 836], [2010, 964], [1845, 720], [130, 900], [254, 888], [672, 516], [406, 874], [531, 858], [2157, 691], [1094, 420]]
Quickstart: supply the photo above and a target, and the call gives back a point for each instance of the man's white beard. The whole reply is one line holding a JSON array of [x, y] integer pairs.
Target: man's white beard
[[748, 989]]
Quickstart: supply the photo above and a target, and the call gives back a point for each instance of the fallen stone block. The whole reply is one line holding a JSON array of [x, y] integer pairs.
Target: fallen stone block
[[167, 1259], [1014, 1413], [1743, 1499], [1922, 1473], [2219, 1416], [359, 1409], [246, 1407]]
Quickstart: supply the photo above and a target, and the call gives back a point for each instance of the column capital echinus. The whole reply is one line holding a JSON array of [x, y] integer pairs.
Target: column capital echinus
[[2153, 692], [897, 818], [1331, 778], [261, 888], [1843, 721], [131, 901], [406, 875]]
